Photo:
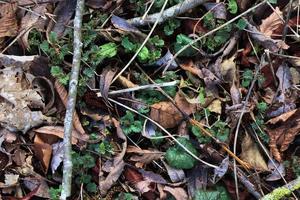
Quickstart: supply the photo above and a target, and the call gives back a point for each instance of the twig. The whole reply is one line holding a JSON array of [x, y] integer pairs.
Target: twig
[[283, 191], [68, 123], [143, 44], [168, 13], [142, 87], [164, 130], [211, 32]]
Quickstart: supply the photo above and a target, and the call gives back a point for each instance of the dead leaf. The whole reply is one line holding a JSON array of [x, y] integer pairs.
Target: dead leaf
[[221, 170], [99, 4], [43, 151], [271, 23], [10, 180], [105, 80], [8, 20], [265, 41], [251, 154], [228, 69], [283, 135], [277, 172], [58, 131], [63, 94], [218, 9], [167, 115], [58, 155], [177, 192], [145, 156], [215, 106], [63, 13], [33, 183], [176, 175], [126, 82], [30, 21], [118, 163], [18, 97]]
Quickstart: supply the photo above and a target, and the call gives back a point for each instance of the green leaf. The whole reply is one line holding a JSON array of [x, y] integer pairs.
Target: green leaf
[[241, 24], [108, 50], [44, 46], [156, 41], [144, 54], [232, 6], [203, 139], [170, 26], [53, 37], [201, 95], [181, 41], [91, 187], [178, 158], [219, 193], [128, 45], [247, 77], [89, 72], [262, 107]]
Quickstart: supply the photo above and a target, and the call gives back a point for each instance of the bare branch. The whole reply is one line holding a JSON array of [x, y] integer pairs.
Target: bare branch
[[68, 123], [168, 13]]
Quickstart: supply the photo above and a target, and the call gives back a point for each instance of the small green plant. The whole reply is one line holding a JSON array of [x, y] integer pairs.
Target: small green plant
[[55, 193], [170, 26], [81, 166], [181, 41], [131, 125], [145, 55], [125, 196], [232, 6], [61, 76], [241, 24], [262, 107], [218, 193], [247, 77], [178, 158]]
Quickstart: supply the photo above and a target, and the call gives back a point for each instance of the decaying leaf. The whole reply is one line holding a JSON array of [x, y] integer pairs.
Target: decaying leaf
[[277, 172], [118, 163], [177, 192], [58, 132], [10, 180], [63, 13], [145, 156], [126, 82], [251, 154], [176, 175], [63, 94], [43, 151], [282, 136], [8, 20], [166, 114], [58, 155], [30, 21], [271, 23], [215, 106], [18, 97], [221, 170]]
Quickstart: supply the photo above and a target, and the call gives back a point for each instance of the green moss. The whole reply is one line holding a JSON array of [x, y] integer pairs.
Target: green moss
[[277, 194]]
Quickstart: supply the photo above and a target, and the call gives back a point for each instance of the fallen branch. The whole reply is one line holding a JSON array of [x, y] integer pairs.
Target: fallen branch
[[168, 13], [68, 123], [283, 191]]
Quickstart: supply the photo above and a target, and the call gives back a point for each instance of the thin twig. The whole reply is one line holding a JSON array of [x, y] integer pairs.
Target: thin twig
[[167, 14], [142, 87], [143, 44], [68, 123], [164, 130], [211, 32]]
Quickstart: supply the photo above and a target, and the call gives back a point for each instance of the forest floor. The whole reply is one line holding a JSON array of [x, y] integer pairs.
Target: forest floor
[[175, 99]]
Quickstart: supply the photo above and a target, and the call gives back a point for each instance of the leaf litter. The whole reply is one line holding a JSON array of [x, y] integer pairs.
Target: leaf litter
[[196, 96]]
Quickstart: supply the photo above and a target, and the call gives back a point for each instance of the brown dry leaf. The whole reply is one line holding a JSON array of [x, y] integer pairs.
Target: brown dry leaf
[[43, 151], [126, 82], [271, 23], [177, 192], [251, 154], [30, 21], [282, 136], [8, 20], [215, 106], [145, 156], [167, 115], [190, 67], [118, 163], [63, 94], [63, 13], [228, 69], [58, 131], [20, 104]]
